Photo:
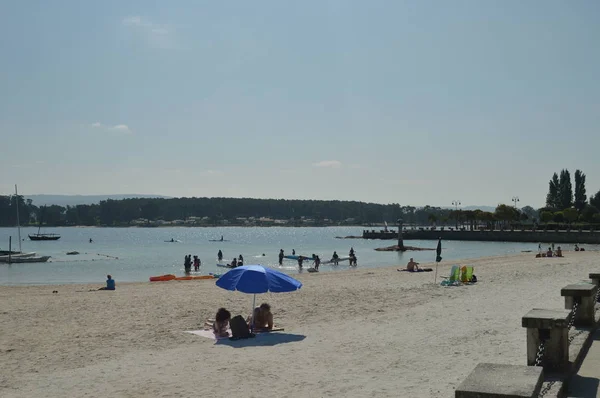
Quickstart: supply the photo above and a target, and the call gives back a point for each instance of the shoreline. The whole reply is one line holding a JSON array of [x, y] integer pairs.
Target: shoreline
[[300, 276]]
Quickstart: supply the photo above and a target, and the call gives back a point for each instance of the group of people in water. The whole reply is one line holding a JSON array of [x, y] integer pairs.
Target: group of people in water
[[236, 262], [260, 321], [188, 262], [335, 258]]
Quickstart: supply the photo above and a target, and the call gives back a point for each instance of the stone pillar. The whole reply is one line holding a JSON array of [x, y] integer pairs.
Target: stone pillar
[[585, 295], [400, 240], [552, 327], [489, 380]]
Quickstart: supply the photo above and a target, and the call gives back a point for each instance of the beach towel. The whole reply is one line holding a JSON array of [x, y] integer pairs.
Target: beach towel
[[419, 270], [208, 326], [207, 333]]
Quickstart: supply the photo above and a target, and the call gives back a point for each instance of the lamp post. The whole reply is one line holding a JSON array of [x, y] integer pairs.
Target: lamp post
[[456, 203], [515, 199]]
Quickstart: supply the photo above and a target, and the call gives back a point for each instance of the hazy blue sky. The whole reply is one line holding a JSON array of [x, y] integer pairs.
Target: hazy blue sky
[[415, 102]]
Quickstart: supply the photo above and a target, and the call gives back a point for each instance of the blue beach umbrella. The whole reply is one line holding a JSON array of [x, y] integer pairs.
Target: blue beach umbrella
[[256, 279]]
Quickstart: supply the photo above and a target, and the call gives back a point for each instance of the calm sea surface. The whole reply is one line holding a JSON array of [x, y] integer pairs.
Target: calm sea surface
[[143, 252]]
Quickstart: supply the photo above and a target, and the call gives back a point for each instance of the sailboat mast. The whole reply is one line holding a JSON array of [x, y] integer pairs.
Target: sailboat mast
[[18, 223]]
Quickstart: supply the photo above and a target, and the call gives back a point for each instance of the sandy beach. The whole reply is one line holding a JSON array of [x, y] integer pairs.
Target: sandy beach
[[359, 333]]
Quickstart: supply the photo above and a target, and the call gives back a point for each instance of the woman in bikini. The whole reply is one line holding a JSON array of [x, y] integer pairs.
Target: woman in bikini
[[221, 323]]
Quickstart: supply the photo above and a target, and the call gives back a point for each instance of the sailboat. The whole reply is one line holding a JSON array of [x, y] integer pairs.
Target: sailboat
[[39, 236], [22, 257]]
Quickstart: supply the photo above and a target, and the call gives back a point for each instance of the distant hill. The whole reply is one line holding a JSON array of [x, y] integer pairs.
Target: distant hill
[[73, 200], [482, 208]]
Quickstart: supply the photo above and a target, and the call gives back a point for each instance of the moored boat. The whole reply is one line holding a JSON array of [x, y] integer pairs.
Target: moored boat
[[35, 259], [5, 258], [39, 236]]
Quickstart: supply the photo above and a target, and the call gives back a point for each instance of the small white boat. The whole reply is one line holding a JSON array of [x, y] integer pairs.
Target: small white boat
[[18, 260], [4, 258]]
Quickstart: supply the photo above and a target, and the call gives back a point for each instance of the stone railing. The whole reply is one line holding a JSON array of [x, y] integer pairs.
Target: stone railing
[[557, 340]]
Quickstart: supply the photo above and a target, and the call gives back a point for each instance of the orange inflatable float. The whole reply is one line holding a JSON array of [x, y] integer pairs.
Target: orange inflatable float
[[162, 278]]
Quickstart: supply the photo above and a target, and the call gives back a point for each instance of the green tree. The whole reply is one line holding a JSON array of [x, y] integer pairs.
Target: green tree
[[565, 190], [552, 198], [570, 215], [506, 213], [150, 211], [580, 194], [558, 217], [530, 212], [432, 218], [588, 212], [595, 200], [546, 216]]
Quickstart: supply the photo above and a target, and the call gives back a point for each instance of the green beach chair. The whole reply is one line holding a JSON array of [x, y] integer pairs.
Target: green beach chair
[[466, 274], [454, 278]]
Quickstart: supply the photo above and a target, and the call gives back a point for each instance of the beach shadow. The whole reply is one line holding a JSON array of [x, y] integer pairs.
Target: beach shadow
[[263, 339], [583, 387]]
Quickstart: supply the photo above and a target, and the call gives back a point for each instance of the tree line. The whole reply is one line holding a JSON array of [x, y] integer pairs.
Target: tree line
[[565, 205], [214, 211]]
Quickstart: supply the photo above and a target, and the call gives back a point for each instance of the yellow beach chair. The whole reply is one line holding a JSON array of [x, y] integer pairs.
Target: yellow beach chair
[[466, 275]]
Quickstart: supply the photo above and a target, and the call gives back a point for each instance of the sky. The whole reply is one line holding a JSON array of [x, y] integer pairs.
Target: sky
[[410, 102]]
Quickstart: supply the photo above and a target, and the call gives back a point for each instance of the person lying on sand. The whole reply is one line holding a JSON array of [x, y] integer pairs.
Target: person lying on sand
[[221, 323], [412, 266], [262, 318]]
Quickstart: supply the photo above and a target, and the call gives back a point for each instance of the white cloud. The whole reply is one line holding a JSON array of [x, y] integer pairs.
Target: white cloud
[[206, 173], [133, 21], [335, 164], [156, 35], [121, 128]]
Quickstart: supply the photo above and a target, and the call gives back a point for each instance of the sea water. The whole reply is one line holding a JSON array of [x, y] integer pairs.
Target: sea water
[[135, 254]]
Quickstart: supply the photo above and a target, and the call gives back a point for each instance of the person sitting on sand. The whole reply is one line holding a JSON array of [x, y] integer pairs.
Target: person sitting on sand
[[412, 266], [549, 252], [559, 252], [234, 263], [221, 323], [110, 283], [576, 247], [262, 318]]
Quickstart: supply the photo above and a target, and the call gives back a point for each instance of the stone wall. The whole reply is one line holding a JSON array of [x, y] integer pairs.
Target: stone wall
[[584, 237]]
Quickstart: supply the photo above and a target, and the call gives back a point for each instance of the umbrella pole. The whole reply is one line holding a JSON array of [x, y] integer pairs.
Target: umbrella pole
[[435, 277], [252, 314]]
